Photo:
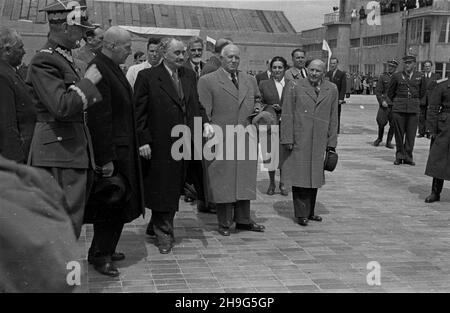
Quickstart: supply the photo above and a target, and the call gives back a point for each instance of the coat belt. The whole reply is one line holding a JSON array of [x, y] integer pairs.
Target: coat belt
[[48, 118]]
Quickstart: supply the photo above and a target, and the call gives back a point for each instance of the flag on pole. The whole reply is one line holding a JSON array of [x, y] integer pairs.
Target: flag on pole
[[210, 44], [326, 47]]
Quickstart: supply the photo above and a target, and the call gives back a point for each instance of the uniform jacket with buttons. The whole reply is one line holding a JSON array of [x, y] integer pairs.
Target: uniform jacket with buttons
[[17, 115], [382, 88], [405, 93], [61, 138]]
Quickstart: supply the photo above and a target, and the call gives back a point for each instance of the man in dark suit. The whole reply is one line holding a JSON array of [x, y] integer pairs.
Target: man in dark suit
[[430, 82], [214, 62], [266, 75], [165, 97], [338, 77], [61, 143], [17, 111], [406, 89], [195, 175], [298, 70], [113, 131]]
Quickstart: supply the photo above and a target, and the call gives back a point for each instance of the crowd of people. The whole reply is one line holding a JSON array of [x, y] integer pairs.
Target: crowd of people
[[103, 141]]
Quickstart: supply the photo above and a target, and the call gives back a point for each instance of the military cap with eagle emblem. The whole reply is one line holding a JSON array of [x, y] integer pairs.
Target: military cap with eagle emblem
[[70, 12]]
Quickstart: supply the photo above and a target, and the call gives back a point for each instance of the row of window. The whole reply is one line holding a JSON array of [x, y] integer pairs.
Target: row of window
[[442, 69], [419, 30], [380, 40], [444, 35]]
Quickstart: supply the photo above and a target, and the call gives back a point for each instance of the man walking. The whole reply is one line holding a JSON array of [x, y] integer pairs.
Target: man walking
[[113, 130], [61, 143], [405, 91], [230, 97], [308, 129], [165, 97], [384, 114]]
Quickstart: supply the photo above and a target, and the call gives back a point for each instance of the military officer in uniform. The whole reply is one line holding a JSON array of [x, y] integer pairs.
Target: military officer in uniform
[[61, 143], [405, 91], [438, 123], [384, 114]]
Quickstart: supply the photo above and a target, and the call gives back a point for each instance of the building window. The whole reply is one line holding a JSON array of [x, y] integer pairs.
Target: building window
[[354, 68], [355, 42], [439, 69], [426, 30], [369, 69], [443, 36], [380, 40], [415, 30]]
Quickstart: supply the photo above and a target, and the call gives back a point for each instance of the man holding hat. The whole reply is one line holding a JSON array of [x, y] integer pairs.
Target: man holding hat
[[61, 144], [384, 114], [405, 91]]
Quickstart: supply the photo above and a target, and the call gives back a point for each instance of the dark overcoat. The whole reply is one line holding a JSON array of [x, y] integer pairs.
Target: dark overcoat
[[159, 109], [309, 123], [438, 123], [340, 80], [112, 126], [17, 115]]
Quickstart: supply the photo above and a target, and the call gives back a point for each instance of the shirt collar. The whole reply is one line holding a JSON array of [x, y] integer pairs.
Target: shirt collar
[[229, 74]]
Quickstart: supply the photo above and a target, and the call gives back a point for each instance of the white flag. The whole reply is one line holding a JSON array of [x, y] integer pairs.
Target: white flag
[[326, 47]]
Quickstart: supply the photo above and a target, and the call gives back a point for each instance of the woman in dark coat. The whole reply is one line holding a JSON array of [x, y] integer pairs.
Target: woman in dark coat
[[272, 95], [438, 123]]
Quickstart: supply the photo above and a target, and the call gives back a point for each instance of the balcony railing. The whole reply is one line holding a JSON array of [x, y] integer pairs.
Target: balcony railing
[[335, 18]]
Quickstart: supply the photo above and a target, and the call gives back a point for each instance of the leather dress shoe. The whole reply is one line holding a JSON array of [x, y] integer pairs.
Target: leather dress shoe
[[117, 256], [283, 190], [377, 142], [224, 231], [165, 249], [398, 161], [188, 199], [202, 208], [303, 221], [251, 227], [316, 218], [107, 269], [412, 163], [389, 145], [150, 232], [432, 198], [271, 190]]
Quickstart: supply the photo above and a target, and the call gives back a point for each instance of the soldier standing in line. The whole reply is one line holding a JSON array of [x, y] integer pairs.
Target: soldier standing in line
[[405, 91], [384, 114], [61, 143]]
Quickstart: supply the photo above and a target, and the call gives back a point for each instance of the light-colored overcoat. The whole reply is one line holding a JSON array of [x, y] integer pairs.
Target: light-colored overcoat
[[230, 180], [309, 122]]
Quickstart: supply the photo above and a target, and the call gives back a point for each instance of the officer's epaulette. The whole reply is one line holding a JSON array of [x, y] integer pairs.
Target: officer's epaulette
[[441, 80]]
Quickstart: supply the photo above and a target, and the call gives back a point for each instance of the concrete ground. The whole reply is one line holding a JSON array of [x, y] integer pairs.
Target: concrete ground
[[371, 209]]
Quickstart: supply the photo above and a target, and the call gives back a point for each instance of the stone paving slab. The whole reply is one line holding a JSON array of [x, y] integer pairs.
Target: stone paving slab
[[371, 209]]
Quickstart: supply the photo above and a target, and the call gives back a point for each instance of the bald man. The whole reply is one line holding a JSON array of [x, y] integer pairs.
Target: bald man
[[113, 131], [309, 122]]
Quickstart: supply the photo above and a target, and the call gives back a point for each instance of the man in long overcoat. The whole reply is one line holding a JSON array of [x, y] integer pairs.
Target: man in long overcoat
[[113, 131], [165, 96], [17, 108], [430, 83], [438, 123], [61, 143], [338, 77], [230, 97], [308, 128]]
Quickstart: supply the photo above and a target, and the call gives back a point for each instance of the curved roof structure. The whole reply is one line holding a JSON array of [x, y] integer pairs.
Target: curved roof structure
[[160, 15]]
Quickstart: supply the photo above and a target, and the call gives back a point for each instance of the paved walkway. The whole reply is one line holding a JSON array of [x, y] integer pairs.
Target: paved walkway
[[372, 210]]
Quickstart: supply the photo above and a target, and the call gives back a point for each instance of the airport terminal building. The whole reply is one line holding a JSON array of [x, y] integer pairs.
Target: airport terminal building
[[361, 47]]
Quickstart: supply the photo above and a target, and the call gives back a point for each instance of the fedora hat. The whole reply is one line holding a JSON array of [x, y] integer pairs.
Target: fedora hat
[[331, 159], [111, 191]]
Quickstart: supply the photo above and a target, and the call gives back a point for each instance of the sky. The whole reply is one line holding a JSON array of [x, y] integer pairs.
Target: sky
[[303, 14]]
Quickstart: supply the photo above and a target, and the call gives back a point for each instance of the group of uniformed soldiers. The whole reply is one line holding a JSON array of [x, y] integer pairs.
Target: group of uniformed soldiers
[[410, 100]]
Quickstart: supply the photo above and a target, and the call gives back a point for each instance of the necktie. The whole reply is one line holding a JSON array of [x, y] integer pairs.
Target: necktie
[[196, 68], [234, 80], [177, 84]]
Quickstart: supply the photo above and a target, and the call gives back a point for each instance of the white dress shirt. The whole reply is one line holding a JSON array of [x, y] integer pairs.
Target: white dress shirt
[[134, 70], [280, 86]]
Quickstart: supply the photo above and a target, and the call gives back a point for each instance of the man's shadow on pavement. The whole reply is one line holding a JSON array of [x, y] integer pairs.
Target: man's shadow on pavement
[[133, 245], [424, 190], [286, 209]]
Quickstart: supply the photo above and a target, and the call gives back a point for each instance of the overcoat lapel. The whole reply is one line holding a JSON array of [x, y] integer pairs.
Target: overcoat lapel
[[243, 89], [324, 92], [226, 83], [166, 84], [185, 83]]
